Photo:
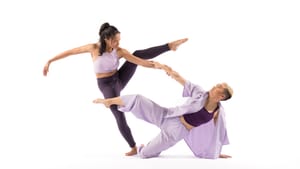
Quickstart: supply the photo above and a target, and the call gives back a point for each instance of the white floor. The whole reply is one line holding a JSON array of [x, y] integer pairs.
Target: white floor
[[84, 149], [115, 161]]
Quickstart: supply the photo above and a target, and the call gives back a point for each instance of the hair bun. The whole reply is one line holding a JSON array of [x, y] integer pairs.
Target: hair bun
[[103, 27]]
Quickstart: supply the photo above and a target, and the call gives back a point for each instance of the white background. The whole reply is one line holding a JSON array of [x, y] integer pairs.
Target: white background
[[50, 122]]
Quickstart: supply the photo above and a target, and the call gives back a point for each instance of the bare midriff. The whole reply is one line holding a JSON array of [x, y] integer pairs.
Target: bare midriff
[[186, 125], [103, 75]]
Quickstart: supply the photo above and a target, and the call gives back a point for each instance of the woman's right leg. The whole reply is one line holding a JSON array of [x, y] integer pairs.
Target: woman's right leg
[[152, 52]]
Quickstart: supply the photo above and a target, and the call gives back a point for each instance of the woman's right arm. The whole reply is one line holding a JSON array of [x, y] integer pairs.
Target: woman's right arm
[[74, 51]]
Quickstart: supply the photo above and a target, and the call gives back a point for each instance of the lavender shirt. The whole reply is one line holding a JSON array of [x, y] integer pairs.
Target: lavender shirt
[[107, 62], [206, 140]]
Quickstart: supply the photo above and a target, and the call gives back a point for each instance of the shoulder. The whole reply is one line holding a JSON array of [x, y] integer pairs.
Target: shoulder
[[121, 52], [95, 45]]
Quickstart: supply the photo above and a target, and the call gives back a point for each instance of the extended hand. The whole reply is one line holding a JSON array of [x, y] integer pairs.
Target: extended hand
[[46, 69]]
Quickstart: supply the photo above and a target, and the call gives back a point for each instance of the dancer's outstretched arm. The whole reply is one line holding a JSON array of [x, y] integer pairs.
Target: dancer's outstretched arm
[[147, 63], [110, 101], [78, 50], [175, 75], [134, 59]]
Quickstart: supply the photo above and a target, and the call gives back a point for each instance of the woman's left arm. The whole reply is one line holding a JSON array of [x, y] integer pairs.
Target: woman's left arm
[[133, 59]]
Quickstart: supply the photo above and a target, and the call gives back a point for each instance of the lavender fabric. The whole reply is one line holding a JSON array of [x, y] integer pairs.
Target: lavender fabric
[[107, 62], [113, 85], [205, 141], [172, 130]]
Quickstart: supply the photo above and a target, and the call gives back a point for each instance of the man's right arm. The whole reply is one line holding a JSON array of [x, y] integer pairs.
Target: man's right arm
[[189, 89], [175, 75]]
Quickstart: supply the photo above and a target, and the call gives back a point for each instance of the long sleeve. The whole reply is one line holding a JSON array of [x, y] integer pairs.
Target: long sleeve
[[196, 97], [192, 90]]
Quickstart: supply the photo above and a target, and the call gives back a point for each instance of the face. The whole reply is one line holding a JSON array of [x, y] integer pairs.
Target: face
[[114, 41], [217, 92]]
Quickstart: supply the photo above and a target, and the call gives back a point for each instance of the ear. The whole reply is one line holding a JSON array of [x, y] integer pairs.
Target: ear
[[221, 97]]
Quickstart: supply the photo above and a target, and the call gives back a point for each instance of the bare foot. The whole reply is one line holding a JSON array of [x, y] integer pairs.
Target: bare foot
[[173, 45], [132, 152], [102, 101]]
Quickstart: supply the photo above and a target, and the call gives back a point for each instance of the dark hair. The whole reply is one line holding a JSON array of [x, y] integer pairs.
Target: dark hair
[[227, 94], [106, 31]]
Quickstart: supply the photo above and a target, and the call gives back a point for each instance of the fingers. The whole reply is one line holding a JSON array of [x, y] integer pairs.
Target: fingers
[[46, 69]]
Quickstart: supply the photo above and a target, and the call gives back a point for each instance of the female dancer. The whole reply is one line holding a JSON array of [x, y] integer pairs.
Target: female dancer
[[106, 55]]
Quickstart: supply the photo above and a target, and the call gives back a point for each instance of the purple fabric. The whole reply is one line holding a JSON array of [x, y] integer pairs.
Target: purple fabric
[[205, 141], [200, 117], [113, 85]]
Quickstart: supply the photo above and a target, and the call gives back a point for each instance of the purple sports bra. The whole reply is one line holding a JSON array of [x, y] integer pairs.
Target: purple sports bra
[[107, 62], [200, 117]]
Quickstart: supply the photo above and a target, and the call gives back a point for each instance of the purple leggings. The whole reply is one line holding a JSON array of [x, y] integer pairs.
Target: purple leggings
[[113, 85]]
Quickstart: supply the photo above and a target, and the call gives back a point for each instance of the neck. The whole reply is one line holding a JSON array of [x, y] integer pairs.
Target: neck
[[210, 105], [109, 50]]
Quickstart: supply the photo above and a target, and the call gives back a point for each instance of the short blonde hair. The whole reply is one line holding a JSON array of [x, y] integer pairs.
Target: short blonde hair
[[228, 92]]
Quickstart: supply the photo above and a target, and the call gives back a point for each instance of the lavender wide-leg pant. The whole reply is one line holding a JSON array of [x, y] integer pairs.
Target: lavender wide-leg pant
[[172, 130]]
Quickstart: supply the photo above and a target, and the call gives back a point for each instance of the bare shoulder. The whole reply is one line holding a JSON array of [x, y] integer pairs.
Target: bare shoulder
[[95, 45], [122, 52]]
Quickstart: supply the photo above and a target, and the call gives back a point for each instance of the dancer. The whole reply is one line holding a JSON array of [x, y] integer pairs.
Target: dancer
[[178, 123], [106, 55]]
